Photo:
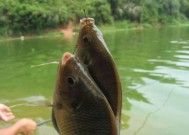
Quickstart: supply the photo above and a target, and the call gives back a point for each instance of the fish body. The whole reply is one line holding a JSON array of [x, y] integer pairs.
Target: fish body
[[80, 108], [92, 50]]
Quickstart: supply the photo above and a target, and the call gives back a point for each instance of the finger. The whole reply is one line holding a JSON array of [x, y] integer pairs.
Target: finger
[[7, 116], [4, 107], [10, 116]]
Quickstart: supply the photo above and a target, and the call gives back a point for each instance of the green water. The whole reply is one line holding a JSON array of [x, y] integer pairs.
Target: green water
[[152, 63]]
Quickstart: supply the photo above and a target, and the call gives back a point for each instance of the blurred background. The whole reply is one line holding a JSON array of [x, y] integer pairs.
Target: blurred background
[[148, 40], [27, 16]]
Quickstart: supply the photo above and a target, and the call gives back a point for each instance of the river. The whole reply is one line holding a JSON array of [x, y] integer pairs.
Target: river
[[153, 65]]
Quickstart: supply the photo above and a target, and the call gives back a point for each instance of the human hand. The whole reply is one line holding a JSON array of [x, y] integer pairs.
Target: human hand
[[26, 126], [5, 113]]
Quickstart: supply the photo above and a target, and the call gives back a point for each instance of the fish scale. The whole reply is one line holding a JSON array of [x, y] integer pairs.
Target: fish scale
[[89, 122], [93, 52], [91, 113]]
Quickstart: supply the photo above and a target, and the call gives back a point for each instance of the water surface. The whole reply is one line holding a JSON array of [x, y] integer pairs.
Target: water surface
[[152, 63]]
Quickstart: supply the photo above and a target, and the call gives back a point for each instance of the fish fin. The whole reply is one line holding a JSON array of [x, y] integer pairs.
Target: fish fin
[[54, 122]]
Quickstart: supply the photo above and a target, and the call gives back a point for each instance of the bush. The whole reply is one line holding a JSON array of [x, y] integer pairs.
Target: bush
[[21, 16]]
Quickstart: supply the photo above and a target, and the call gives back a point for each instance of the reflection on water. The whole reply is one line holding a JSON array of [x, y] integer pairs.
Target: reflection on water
[[157, 68], [153, 66]]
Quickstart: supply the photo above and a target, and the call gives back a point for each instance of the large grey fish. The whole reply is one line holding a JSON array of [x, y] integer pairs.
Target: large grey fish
[[92, 50], [80, 108]]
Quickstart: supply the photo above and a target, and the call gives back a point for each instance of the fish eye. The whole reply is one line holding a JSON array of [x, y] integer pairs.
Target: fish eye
[[87, 38], [74, 105], [71, 81]]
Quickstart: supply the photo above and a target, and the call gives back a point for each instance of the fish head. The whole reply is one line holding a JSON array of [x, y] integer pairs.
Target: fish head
[[68, 92], [90, 41], [79, 105]]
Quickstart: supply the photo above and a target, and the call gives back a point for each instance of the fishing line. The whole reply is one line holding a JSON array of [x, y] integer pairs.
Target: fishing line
[[151, 83], [85, 13], [74, 49], [25, 104], [85, 17], [38, 103], [44, 122], [155, 111], [43, 64]]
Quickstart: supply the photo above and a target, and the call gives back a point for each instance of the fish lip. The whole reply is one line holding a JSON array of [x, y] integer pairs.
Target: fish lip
[[66, 57], [86, 21]]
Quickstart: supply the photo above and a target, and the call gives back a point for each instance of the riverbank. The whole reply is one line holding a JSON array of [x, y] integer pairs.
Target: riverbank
[[70, 30]]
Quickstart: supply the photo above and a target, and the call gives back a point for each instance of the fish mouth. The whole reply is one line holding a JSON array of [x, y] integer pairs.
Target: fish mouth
[[86, 21], [66, 57]]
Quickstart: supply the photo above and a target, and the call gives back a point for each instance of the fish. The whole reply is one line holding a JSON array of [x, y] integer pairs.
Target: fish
[[94, 54], [79, 106]]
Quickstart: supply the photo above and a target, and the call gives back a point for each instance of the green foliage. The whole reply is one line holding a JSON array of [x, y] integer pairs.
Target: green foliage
[[185, 7], [28, 15], [151, 11], [23, 16], [101, 12]]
